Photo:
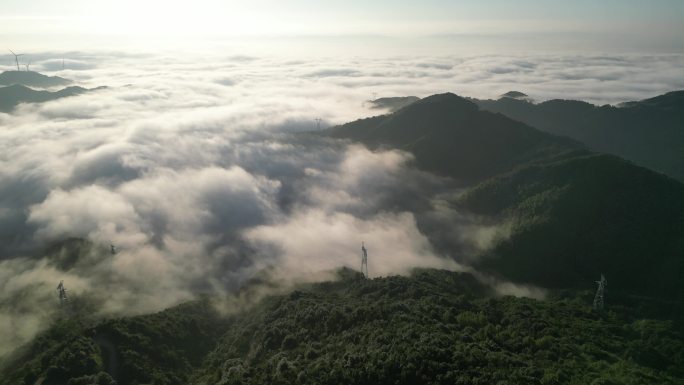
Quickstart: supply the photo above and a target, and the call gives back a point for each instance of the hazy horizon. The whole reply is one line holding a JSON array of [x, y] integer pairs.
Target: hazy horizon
[[529, 25], [599, 52]]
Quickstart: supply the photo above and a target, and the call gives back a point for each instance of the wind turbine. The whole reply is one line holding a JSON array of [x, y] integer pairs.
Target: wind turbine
[[16, 58], [28, 66]]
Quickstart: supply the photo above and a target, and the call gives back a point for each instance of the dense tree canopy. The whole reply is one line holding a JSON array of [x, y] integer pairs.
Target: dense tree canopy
[[435, 327]]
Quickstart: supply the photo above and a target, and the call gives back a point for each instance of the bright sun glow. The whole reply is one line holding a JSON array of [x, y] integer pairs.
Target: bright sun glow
[[163, 18]]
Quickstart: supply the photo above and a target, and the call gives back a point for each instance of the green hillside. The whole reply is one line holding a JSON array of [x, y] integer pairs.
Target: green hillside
[[31, 79], [162, 348], [648, 132], [435, 327], [12, 96], [451, 136], [392, 103], [575, 214], [578, 217]]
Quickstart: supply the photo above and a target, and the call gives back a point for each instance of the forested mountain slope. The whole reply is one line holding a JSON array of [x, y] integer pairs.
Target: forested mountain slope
[[649, 132], [574, 214], [436, 327]]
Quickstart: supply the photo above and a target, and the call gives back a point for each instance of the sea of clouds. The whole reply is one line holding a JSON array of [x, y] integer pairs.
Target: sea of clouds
[[206, 171]]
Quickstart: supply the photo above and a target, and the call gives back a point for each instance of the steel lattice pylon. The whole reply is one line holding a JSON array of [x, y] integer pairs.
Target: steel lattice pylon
[[61, 292], [364, 260], [599, 298]]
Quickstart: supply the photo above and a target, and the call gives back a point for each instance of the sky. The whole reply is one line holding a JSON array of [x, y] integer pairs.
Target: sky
[[626, 25]]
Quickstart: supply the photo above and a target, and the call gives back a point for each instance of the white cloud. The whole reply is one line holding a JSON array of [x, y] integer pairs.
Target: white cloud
[[201, 174], [313, 241]]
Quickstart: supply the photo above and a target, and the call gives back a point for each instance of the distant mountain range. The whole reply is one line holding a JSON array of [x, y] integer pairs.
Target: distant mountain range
[[19, 89], [16, 94], [575, 214], [32, 79], [393, 103], [649, 132]]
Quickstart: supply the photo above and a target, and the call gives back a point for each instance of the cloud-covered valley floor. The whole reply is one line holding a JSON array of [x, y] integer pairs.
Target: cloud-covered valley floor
[[204, 173]]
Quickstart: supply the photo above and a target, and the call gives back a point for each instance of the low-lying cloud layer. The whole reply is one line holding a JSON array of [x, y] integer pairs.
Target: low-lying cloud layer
[[202, 173]]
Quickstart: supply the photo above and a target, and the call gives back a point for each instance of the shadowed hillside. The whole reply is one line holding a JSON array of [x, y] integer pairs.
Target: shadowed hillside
[[449, 135], [649, 132], [577, 217], [31, 79], [14, 95], [393, 104], [574, 214]]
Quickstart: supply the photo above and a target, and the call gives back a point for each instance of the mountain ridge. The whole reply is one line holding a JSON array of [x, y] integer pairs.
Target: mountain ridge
[[432, 327], [575, 214], [649, 132], [32, 79], [12, 96], [445, 131]]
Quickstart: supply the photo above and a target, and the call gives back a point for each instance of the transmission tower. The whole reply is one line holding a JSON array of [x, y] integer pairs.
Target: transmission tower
[[61, 292], [318, 123], [599, 298], [364, 260]]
